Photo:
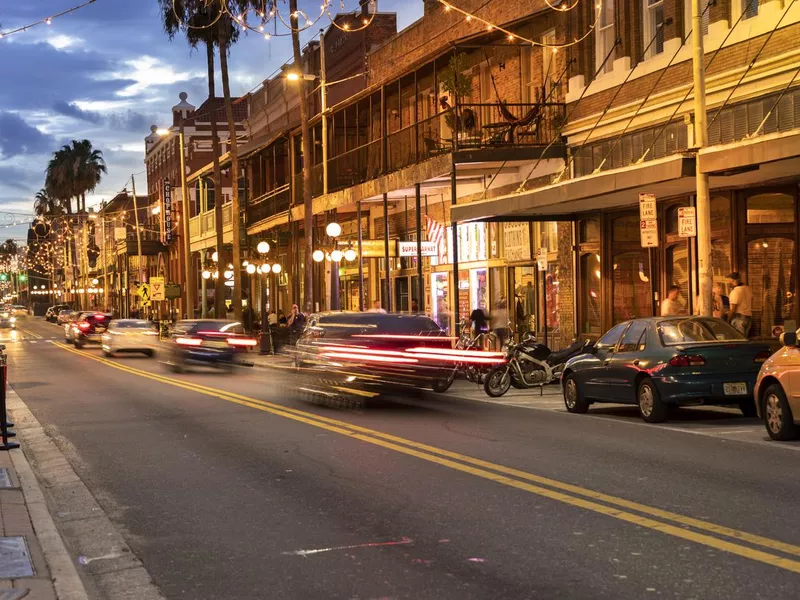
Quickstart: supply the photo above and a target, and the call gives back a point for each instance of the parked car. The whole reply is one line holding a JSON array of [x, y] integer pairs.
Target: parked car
[[206, 342], [64, 316], [376, 352], [51, 315], [89, 329], [130, 335], [777, 391], [657, 362]]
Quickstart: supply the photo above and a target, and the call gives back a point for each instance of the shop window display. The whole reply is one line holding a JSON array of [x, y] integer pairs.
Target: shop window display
[[590, 297], [525, 299], [440, 291], [631, 280], [677, 271]]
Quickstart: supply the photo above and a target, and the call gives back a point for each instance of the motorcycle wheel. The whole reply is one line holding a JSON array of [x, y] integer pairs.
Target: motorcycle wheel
[[517, 384], [498, 380], [442, 385]]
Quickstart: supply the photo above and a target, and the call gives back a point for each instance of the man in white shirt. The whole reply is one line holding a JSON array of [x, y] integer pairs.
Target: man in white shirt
[[670, 307], [741, 300]]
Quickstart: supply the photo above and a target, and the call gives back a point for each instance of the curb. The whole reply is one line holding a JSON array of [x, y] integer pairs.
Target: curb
[[66, 581]]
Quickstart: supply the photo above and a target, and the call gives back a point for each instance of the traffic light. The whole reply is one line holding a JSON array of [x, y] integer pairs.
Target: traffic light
[[3, 276], [23, 277]]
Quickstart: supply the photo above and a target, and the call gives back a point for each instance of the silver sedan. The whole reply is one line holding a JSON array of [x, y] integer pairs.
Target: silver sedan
[[130, 335]]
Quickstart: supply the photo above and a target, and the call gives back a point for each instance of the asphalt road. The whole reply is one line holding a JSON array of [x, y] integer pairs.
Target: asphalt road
[[229, 486]]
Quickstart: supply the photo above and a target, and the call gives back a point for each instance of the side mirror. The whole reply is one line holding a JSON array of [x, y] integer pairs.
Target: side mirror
[[788, 338]]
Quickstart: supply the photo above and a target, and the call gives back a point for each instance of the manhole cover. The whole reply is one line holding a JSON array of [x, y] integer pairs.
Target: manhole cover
[[5, 478], [15, 560]]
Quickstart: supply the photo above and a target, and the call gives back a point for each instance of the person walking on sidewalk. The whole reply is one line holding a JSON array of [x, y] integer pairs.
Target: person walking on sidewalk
[[741, 300], [296, 323]]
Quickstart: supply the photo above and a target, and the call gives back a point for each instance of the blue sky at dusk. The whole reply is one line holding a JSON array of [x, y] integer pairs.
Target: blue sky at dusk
[[106, 73]]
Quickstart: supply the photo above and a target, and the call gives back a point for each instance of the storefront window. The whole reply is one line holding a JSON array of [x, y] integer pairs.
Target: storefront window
[[677, 259], [771, 276], [479, 290], [626, 229], [590, 298], [770, 208], [721, 242], [440, 292], [525, 299], [589, 231], [498, 310], [547, 235], [631, 279]]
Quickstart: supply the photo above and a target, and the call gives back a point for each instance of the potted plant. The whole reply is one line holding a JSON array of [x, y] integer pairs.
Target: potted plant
[[458, 86]]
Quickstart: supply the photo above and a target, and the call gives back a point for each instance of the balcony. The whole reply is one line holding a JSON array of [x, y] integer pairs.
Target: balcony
[[203, 231], [267, 205], [151, 245]]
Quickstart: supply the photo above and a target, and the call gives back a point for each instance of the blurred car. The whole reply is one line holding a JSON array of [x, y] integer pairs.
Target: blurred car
[[206, 342], [89, 329], [7, 320], [71, 325], [19, 310], [657, 362], [777, 391], [130, 335], [370, 353], [64, 316]]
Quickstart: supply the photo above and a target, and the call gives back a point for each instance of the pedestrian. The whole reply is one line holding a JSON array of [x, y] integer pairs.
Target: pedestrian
[[414, 305], [377, 308], [296, 323], [670, 307], [272, 318], [500, 320], [281, 318], [478, 322], [741, 301]]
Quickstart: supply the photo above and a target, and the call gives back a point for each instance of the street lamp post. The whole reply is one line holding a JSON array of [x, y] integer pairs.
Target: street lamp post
[[138, 232]]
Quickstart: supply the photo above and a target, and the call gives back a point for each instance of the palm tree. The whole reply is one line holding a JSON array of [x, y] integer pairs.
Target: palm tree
[[57, 183], [88, 168], [197, 19], [45, 205]]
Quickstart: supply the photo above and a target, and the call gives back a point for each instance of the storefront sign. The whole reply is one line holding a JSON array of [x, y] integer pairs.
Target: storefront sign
[[687, 221], [410, 249], [648, 220], [120, 233], [517, 241], [374, 248], [541, 259], [167, 212]]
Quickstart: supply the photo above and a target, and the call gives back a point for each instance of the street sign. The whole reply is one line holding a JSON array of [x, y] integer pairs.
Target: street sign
[[541, 259], [167, 212], [375, 248], [172, 291], [410, 249], [648, 220], [143, 291], [157, 292], [687, 221]]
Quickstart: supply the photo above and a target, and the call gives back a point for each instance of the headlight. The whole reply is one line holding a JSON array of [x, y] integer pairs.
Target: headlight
[[13, 319]]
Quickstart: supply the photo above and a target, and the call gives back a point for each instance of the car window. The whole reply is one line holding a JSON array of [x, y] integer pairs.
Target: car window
[[697, 330], [612, 336], [633, 340]]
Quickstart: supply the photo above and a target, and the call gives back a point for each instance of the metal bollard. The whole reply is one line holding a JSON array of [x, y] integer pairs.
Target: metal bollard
[[5, 426]]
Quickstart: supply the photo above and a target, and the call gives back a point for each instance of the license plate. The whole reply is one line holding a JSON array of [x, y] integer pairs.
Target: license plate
[[215, 344], [735, 389]]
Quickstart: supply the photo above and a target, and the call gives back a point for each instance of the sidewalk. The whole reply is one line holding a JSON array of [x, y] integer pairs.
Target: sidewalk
[[34, 564], [267, 361]]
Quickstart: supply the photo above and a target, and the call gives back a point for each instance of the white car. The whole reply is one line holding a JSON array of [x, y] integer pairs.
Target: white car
[[130, 335]]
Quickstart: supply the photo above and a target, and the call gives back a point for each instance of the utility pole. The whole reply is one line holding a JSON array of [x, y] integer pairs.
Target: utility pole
[[703, 201], [138, 233], [104, 258]]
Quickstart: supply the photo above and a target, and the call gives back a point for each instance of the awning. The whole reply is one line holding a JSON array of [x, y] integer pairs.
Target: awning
[[665, 177], [775, 154]]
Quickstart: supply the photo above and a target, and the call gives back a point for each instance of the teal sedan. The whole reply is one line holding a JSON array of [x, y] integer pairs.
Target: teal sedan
[[661, 361]]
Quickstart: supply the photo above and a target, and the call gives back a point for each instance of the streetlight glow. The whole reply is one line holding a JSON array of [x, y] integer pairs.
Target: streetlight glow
[[333, 230], [292, 76], [251, 268], [318, 256], [276, 268], [263, 247], [163, 132], [336, 256], [350, 254], [206, 274]]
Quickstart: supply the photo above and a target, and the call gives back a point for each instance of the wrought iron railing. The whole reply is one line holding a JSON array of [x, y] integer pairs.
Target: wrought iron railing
[[269, 204]]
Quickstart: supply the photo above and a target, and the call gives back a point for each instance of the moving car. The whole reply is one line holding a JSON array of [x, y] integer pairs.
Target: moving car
[[777, 391], [7, 318], [64, 316], [658, 361], [71, 325], [369, 353], [89, 329], [206, 342], [130, 335], [19, 310]]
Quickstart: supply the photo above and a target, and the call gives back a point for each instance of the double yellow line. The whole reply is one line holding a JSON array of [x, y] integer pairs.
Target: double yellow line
[[30, 333], [758, 548]]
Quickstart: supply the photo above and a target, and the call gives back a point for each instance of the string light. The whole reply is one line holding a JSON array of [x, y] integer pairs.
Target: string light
[[46, 20], [512, 37]]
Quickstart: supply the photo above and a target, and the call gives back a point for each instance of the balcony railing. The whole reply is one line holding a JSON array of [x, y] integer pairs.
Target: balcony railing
[[269, 204], [203, 225]]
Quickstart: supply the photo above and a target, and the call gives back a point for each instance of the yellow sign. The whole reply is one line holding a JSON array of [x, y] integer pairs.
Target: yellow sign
[[157, 289], [143, 291], [373, 248]]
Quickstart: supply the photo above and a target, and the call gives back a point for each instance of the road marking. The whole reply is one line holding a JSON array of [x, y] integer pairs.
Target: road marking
[[30, 333], [503, 475]]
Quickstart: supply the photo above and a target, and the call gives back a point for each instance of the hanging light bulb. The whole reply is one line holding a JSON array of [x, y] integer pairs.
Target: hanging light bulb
[[206, 274], [350, 254], [215, 257], [276, 268], [228, 274], [336, 256], [263, 247], [318, 256], [333, 230], [265, 268], [251, 268]]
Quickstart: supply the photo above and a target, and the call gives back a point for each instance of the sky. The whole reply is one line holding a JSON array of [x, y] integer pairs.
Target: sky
[[106, 73]]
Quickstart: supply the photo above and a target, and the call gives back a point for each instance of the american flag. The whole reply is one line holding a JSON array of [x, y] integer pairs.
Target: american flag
[[435, 230]]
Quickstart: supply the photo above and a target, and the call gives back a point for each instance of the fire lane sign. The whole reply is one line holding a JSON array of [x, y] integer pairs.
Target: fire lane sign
[[648, 220], [687, 221]]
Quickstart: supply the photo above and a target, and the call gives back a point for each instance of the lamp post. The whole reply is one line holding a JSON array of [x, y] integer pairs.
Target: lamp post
[[335, 257], [187, 247]]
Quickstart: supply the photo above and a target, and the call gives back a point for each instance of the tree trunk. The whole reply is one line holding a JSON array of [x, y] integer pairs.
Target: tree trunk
[[222, 262], [235, 212], [308, 212]]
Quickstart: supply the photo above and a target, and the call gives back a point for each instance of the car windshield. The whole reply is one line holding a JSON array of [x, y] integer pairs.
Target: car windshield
[[697, 330], [232, 327]]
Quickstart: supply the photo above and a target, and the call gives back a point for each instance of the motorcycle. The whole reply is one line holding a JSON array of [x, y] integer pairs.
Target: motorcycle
[[473, 373], [530, 364]]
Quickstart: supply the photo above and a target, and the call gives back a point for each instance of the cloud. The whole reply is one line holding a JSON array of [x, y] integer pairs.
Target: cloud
[[17, 137], [16, 178], [128, 120]]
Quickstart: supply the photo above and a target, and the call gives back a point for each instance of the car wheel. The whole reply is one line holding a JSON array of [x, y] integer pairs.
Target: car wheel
[[651, 408], [497, 382], [573, 397], [442, 385], [108, 354], [748, 408], [150, 353], [778, 417], [78, 344]]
